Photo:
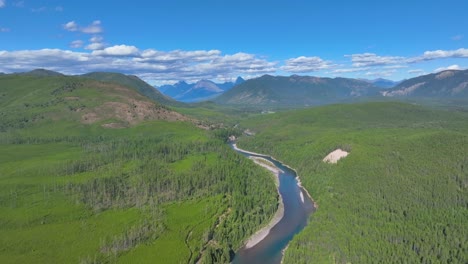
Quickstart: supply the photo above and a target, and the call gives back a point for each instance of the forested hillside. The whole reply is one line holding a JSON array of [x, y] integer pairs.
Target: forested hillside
[[295, 91], [401, 195], [121, 185]]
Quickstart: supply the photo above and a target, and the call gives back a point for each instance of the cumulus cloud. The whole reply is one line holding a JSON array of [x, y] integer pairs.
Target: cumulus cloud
[[93, 28], [440, 54], [304, 64], [118, 50], [151, 65], [95, 46], [451, 67], [96, 43], [372, 59], [76, 44], [96, 39], [2, 3], [397, 62], [151, 55], [71, 26]]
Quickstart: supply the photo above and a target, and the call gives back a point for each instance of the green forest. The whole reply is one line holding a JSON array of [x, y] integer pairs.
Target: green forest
[[95, 172], [83, 193], [400, 196]]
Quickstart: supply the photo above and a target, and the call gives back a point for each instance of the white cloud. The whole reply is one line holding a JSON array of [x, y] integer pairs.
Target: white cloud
[[349, 70], [117, 50], [93, 28], [395, 67], [96, 39], [151, 55], [2, 3], [451, 67], [76, 44], [55, 59], [397, 62], [2, 29], [95, 46], [304, 64], [71, 26], [372, 59], [440, 54], [169, 66], [59, 9], [417, 72], [151, 65], [96, 43]]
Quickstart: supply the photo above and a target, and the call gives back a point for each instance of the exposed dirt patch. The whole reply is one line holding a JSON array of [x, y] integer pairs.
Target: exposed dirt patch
[[114, 125], [89, 118], [127, 107], [71, 98]]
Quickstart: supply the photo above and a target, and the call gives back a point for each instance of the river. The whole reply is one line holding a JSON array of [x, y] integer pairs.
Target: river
[[297, 208]]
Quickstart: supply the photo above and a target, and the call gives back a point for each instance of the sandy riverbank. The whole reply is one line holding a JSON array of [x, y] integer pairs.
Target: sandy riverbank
[[262, 233], [299, 183]]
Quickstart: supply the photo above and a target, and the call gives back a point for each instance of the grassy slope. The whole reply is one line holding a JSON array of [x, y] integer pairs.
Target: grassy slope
[[74, 192], [400, 196]]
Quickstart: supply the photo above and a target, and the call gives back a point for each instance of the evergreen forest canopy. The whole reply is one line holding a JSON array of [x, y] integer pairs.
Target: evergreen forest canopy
[[401, 195], [98, 168], [74, 191]]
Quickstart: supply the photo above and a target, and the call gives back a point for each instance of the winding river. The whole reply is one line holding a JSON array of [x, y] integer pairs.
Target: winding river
[[297, 208]]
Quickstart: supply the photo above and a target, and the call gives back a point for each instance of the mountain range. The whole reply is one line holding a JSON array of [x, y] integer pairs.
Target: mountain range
[[296, 90], [286, 91], [383, 83], [445, 84], [200, 91]]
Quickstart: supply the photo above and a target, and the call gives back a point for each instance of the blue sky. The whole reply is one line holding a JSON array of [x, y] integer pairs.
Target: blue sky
[[167, 41]]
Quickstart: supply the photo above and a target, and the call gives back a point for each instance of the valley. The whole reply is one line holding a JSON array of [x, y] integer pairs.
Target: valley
[[78, 190], [240, 132], [102, 168]]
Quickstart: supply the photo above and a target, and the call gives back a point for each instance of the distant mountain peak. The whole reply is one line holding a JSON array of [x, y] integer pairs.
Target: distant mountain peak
[[382, 82], [199, 91], [239, 80], [295, 90], [449, 83], [207, 85], [42, 72]]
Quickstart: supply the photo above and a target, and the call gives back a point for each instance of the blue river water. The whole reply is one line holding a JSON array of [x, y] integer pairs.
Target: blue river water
[[296, 213]]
